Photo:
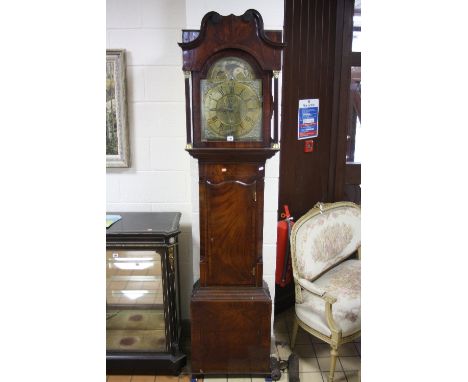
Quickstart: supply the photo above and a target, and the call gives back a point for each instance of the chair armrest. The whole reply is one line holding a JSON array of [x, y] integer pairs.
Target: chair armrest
[[312, 288], [329, 301]]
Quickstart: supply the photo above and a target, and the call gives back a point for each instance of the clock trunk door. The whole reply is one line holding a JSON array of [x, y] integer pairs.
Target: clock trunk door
[[231, 244]]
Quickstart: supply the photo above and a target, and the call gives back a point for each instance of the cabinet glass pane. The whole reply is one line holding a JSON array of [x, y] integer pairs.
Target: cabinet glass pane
[[134, 301]]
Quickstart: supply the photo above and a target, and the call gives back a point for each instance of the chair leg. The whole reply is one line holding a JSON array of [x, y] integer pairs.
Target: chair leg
[[333, 357], [294, 333]]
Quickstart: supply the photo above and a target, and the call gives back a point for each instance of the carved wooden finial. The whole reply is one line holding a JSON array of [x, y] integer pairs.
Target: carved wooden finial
[[214, 17], [249, 15]]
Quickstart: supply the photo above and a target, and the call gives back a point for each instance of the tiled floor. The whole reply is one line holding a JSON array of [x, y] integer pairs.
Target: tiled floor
[[314, 360]]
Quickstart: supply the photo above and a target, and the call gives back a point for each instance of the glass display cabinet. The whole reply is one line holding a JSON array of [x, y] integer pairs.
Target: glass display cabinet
[[142, 294]]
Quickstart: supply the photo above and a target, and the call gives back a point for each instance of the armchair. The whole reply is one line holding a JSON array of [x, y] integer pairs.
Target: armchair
[[327, 279]]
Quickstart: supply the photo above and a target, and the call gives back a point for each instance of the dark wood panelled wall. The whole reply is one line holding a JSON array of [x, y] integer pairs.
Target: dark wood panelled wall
[[318, 37]]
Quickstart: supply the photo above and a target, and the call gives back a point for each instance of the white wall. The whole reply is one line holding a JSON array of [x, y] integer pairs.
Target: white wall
[[159, 176], [162, 176]]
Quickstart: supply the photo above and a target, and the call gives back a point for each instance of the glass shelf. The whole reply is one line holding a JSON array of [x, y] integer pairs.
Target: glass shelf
[[135, 306]]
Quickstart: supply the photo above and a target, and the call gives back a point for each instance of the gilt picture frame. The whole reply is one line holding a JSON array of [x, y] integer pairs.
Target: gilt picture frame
[[117, 141]]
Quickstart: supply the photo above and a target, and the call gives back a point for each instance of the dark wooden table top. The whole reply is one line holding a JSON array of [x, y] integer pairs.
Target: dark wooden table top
[[157, 223]]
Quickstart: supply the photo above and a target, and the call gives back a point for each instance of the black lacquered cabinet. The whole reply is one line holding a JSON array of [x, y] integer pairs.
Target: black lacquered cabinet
[[142, 294]]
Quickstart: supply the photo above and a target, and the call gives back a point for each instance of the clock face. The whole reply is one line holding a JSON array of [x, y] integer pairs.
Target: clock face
[[231, 102]]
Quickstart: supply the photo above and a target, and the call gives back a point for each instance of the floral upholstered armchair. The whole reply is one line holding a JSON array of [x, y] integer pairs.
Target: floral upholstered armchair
[[327, 275]]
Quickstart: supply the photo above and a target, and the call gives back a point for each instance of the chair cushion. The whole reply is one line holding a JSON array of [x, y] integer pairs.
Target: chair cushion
[[344, 283], [321, 240]]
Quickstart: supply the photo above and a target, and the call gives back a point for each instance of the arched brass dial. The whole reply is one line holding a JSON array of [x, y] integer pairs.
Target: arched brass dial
[[231, 102], [232, 108]]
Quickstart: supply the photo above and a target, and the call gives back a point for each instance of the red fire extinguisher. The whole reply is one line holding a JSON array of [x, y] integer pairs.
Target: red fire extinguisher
[[283, 275]]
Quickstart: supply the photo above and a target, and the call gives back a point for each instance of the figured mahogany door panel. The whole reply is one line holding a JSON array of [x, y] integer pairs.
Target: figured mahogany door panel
[[230, 233], [244, 185]]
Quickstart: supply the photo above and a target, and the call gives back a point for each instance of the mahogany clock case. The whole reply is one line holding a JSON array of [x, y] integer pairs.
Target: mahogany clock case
[[230, 304]]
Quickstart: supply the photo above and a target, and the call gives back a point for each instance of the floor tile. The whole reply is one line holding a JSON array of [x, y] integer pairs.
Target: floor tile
[[308, 365], [166, 378], [284, 377], [325, 364], [358, 347], [304, 351], [187, 369], [119, 378], [351, 363], [238, 379], [338, 376], [316, 340], [352, 376], [143, 378], [302, 338], [322, 350], [284, 351], [282, 338], [310, 377], [208, 379], [348, 350]]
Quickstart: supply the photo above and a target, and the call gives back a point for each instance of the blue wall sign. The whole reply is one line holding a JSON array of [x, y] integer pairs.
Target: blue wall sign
[[307, 119]]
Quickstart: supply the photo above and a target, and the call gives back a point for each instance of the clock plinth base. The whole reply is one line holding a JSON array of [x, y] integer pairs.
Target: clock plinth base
[[231, 331]]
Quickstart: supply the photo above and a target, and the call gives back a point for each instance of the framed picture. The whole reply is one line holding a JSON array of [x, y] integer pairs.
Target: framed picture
[[117, 143]]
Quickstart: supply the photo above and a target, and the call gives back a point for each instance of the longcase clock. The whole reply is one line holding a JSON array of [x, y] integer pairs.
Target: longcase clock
[[231, 68]]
